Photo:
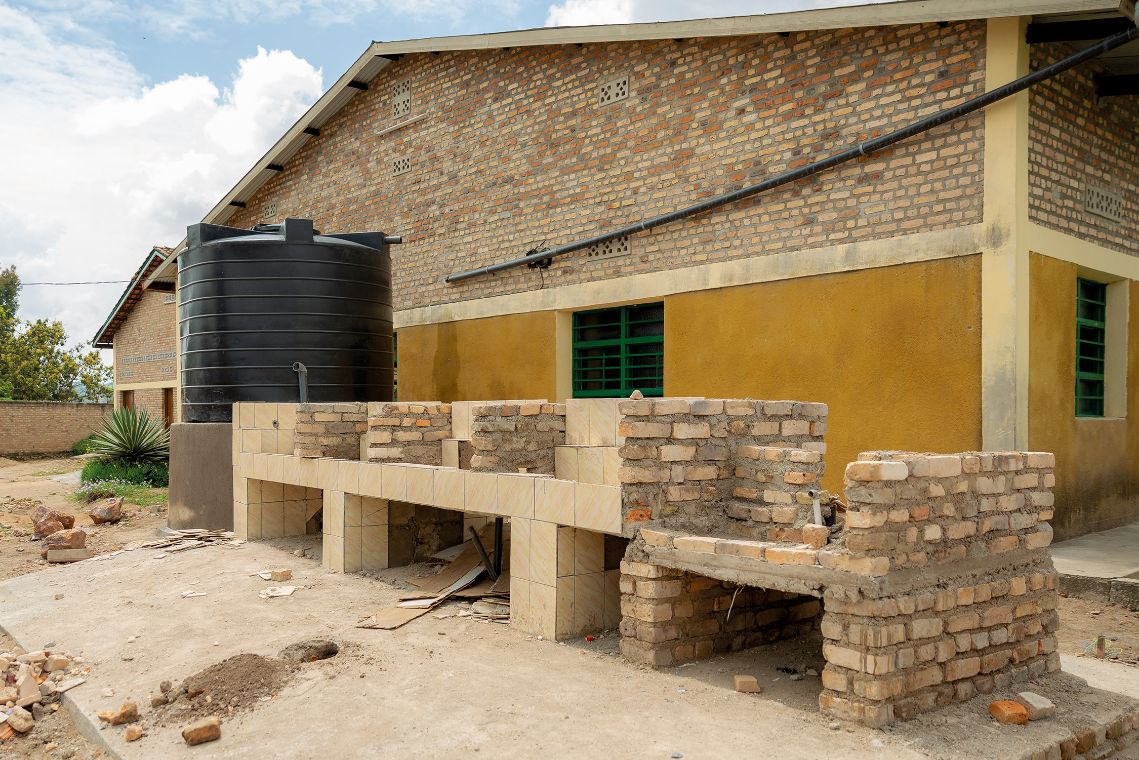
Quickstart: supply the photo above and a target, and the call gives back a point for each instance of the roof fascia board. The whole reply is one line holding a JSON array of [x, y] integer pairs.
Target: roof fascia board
[[879, 14], [139, 276]]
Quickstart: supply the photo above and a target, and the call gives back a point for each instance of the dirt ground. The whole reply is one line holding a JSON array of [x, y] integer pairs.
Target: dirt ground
[[1081, 622], [51, 481], [23, 484]]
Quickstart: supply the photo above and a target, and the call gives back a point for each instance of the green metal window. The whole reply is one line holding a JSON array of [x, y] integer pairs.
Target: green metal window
[[617, 351], [1091, 331]]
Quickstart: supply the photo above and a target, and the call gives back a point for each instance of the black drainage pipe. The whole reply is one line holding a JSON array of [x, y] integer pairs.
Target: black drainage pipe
[[862, 149]]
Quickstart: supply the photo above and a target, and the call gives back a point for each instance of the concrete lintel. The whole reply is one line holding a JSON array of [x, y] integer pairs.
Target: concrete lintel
[[797, 579], [919, 578]]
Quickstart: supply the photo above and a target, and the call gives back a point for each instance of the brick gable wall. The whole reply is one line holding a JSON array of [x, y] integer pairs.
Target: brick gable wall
[[146, 344], [511, 150]]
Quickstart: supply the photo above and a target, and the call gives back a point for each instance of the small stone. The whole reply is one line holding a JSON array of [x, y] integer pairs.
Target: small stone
[[108, 511], [128, 713], [28, 691], [1009, 712], [157, 700], [108, 692], [748, 685], [38, 711], [165, 687], [48, 521], [637, 396], [280, 575], [1037, 707], [205, 730], [21, 720], [833, 726], [55, 662], [133, 733]]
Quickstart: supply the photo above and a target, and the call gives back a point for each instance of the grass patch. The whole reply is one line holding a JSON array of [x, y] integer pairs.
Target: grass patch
[[139, 494], [84, 446], [151, 474]]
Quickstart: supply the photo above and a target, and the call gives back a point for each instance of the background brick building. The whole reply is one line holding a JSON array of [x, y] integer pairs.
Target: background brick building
[[142, 330], [928, 294]]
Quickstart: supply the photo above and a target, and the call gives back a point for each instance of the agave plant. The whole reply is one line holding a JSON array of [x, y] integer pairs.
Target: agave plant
[[132, 436]]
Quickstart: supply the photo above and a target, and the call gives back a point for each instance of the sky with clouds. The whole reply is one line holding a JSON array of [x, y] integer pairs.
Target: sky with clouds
[[124, 121]]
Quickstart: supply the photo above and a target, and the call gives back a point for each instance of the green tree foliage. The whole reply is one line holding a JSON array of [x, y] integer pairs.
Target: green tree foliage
[[35, 362]]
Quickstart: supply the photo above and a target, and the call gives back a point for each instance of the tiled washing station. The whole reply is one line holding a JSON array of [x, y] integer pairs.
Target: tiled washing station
[[692, 524]]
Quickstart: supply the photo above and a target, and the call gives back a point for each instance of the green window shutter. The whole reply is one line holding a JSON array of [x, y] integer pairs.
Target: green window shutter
[[617, 351], [1091, 332]]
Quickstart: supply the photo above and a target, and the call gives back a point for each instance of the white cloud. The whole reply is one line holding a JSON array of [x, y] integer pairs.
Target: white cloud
[[589, 12], [97, 167]]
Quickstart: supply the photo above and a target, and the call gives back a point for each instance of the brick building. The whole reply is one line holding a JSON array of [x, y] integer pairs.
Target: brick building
[[142, 330], [969, 288]]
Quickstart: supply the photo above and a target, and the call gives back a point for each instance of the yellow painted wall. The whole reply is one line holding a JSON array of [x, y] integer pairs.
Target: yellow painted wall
[[504, 357], [1097, 460], [895, 352]]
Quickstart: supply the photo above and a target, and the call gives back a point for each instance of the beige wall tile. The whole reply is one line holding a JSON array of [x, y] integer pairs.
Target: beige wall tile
[[295, 517], [352, 549], [421, 485], [353, 511], [554, 500], [333, 556], [589, 602], [264, 415], [590, 468], [543, 552], [450, 452], [543, 610], [253, 522], [565, 551], [275, 469], [248, 415], [294, 492], [481, 492], [374, 547], [450, 489], [273, 520], [598, 508], [611, 464], [577, 422], [348, 476], [393, 482], [308, 472], [272, 492], [285, 441], [371, 479], [588, 552], [373, 511], [245, 463], [566, 462], [519, 551], [241, 520], [268, 441], [334, 513], [327, 473], [603, 421], [251, 441], [291, 470], [286, 416], [520, 603], [261, 466], [461, 420], [516, 495], [565, 623]]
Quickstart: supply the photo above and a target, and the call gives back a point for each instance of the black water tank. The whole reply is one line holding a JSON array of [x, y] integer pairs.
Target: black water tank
[[251, 303]]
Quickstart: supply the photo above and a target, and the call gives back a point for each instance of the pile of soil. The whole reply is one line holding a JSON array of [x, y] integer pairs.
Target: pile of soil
[[224, 688]]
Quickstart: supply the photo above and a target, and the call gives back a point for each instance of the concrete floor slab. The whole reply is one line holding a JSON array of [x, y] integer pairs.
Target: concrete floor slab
[[405, 693], [1108, 554], [445, 687]]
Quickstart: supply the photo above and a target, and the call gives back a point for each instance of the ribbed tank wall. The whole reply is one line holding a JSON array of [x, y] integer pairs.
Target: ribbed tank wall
[[253, 303]]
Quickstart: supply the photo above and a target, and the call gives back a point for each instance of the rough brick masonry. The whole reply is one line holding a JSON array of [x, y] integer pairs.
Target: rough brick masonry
[[330, 430], [517, 437], [510, 145], [39, 426], [408, 432]]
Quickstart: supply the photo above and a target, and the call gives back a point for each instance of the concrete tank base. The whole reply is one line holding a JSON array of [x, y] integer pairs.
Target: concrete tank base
[[201, 475]]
